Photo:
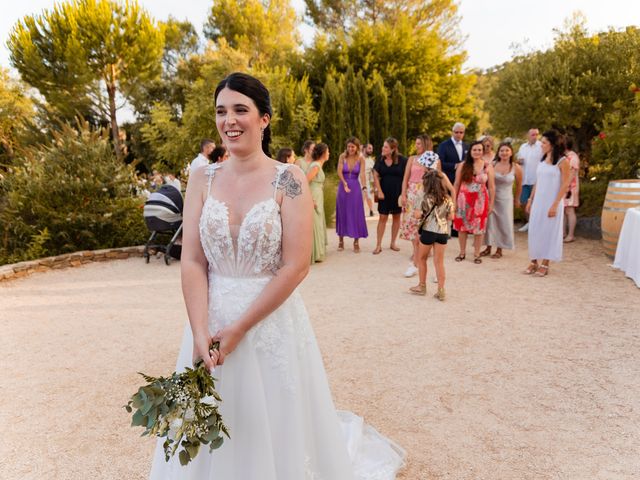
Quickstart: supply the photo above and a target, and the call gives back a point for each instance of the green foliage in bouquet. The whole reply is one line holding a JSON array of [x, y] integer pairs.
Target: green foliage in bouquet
[[183, 408], [71, 194]]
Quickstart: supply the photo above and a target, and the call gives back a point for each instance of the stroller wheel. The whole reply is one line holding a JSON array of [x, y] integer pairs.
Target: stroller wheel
[[167, 258]]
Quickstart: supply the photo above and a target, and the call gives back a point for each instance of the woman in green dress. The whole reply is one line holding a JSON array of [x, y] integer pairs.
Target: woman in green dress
[[315, 176]]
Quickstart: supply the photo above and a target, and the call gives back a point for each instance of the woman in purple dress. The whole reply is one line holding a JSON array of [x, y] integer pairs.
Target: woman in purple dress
[[350, 221]]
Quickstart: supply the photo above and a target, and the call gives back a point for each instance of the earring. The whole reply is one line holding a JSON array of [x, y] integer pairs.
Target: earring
[[262, 134]]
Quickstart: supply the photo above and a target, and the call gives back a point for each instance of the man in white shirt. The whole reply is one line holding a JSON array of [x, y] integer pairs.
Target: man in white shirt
[[529, 157], [206, 147]]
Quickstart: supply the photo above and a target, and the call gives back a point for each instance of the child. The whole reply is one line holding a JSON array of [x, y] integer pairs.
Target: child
[[436, 213]]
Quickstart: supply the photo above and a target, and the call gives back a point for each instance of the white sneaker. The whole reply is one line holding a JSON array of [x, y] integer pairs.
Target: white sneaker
[[524, 228], [411, 271]]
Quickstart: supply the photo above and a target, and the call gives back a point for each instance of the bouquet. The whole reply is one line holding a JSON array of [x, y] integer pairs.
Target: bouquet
[[183, 408]]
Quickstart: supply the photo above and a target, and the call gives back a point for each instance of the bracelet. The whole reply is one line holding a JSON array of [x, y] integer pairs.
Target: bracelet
[[364, 188]]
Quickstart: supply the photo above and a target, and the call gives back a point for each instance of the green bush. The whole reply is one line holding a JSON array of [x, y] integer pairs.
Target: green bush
[[72, 194], [592, 195]]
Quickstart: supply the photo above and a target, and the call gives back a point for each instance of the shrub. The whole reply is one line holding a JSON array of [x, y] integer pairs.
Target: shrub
[[72, 194], [330, 193]]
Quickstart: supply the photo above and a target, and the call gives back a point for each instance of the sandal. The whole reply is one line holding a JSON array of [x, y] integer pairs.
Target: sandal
[[477, 260], [460, 257], [497, 255], [485, 252], [356, 247], [377, 250], [439, 294], [542, 271], [394, 248], [340, 246], [532, 268], [420, 289]]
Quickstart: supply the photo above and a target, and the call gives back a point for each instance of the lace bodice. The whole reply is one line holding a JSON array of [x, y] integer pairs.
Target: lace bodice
[[256, 251]]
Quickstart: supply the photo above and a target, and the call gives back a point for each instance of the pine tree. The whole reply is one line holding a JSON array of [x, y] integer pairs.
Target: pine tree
[[379, 113], [398, 116]]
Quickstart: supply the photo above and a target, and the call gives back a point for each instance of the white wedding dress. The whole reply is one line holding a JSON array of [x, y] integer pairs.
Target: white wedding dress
[[276, 399]]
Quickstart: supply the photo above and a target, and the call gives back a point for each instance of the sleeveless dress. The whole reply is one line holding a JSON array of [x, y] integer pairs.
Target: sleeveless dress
[[276, 398], [409, 226], [473, 205], [500, 222], [391, 183], [320, 240], [350, 221], [545, 233]]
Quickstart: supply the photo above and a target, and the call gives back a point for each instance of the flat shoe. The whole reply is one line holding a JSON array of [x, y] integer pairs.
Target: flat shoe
[[496, 255], [485, 252], [542, 271], [394, 248], [477, 260], [460, 257], [377, 251]]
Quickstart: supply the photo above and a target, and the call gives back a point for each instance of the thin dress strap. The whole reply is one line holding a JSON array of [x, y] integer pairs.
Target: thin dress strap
[[210, 172], [280, 169]]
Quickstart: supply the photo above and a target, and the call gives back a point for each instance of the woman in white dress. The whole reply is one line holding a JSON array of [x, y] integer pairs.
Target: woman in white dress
[[545, 205], [246, 246]]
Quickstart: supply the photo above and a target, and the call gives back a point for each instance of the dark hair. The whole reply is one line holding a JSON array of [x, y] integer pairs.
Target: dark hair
[[354, 140], [467, 167], [318, 150], [284, 154], [204, 142], [393, 143], [218, 153], [433, 187], [504, 144], [306, 145], [426, 141], [256, 91], [569, 142], [557, 143]]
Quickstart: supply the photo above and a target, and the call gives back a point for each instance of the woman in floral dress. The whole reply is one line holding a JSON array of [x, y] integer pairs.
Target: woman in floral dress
[[475, 193]]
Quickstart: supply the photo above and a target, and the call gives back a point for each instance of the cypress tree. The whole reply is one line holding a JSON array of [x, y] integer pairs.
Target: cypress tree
[[331, 121], [379, 113], [398, 114], [352, 106], [364, 106]]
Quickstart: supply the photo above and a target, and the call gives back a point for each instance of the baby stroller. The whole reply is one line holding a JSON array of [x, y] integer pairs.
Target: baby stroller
[[163, 216]]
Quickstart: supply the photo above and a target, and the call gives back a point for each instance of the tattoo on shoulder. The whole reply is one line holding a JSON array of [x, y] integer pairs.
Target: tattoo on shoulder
[[288, 184]]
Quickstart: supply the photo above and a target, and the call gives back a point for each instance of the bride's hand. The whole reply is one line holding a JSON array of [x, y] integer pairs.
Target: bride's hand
[[229, 338], [201, 350]]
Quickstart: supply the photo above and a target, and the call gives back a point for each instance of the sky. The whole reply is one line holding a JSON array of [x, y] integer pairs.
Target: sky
[[491, 27]]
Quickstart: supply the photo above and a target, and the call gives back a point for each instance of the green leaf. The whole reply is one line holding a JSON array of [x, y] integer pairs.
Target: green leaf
[[138, 419], [184, 457], [216, 443], [193, 450]]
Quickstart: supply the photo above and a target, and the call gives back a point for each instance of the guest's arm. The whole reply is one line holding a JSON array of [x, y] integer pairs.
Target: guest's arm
[[565, 172], [492, 187], [376, 182], [405, 182], [341, 160], [363, 173], [518, 175]]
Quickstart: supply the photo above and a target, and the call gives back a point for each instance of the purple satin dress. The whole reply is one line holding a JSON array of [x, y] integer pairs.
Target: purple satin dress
[[350, 220]]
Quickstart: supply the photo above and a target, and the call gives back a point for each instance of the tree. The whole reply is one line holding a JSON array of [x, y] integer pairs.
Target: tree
[[364, 106], [379, 113], [79, 51], [17, 116], [331, 118], [404, 51], [570, 87], [352, 106], [398, 116], [265, 30]]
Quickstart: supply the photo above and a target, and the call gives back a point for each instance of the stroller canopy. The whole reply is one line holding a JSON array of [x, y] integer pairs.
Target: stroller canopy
[[163, 209]]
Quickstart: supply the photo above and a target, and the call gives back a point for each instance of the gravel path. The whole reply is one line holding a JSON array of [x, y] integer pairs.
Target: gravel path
[[512, 377]]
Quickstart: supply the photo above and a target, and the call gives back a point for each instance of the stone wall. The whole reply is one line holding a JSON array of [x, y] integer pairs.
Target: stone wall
[[22, 269]]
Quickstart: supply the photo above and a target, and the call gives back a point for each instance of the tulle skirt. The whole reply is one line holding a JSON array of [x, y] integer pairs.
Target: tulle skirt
[[277, 404]]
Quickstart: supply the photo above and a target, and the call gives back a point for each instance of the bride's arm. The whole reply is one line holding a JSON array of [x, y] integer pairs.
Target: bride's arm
[[193, 269], [297, 228]]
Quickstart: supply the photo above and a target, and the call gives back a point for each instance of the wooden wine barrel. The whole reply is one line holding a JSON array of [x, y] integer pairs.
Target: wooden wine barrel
[[621, 195]]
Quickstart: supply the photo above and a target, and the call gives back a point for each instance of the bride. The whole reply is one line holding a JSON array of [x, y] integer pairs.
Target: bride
[[246, 246]]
